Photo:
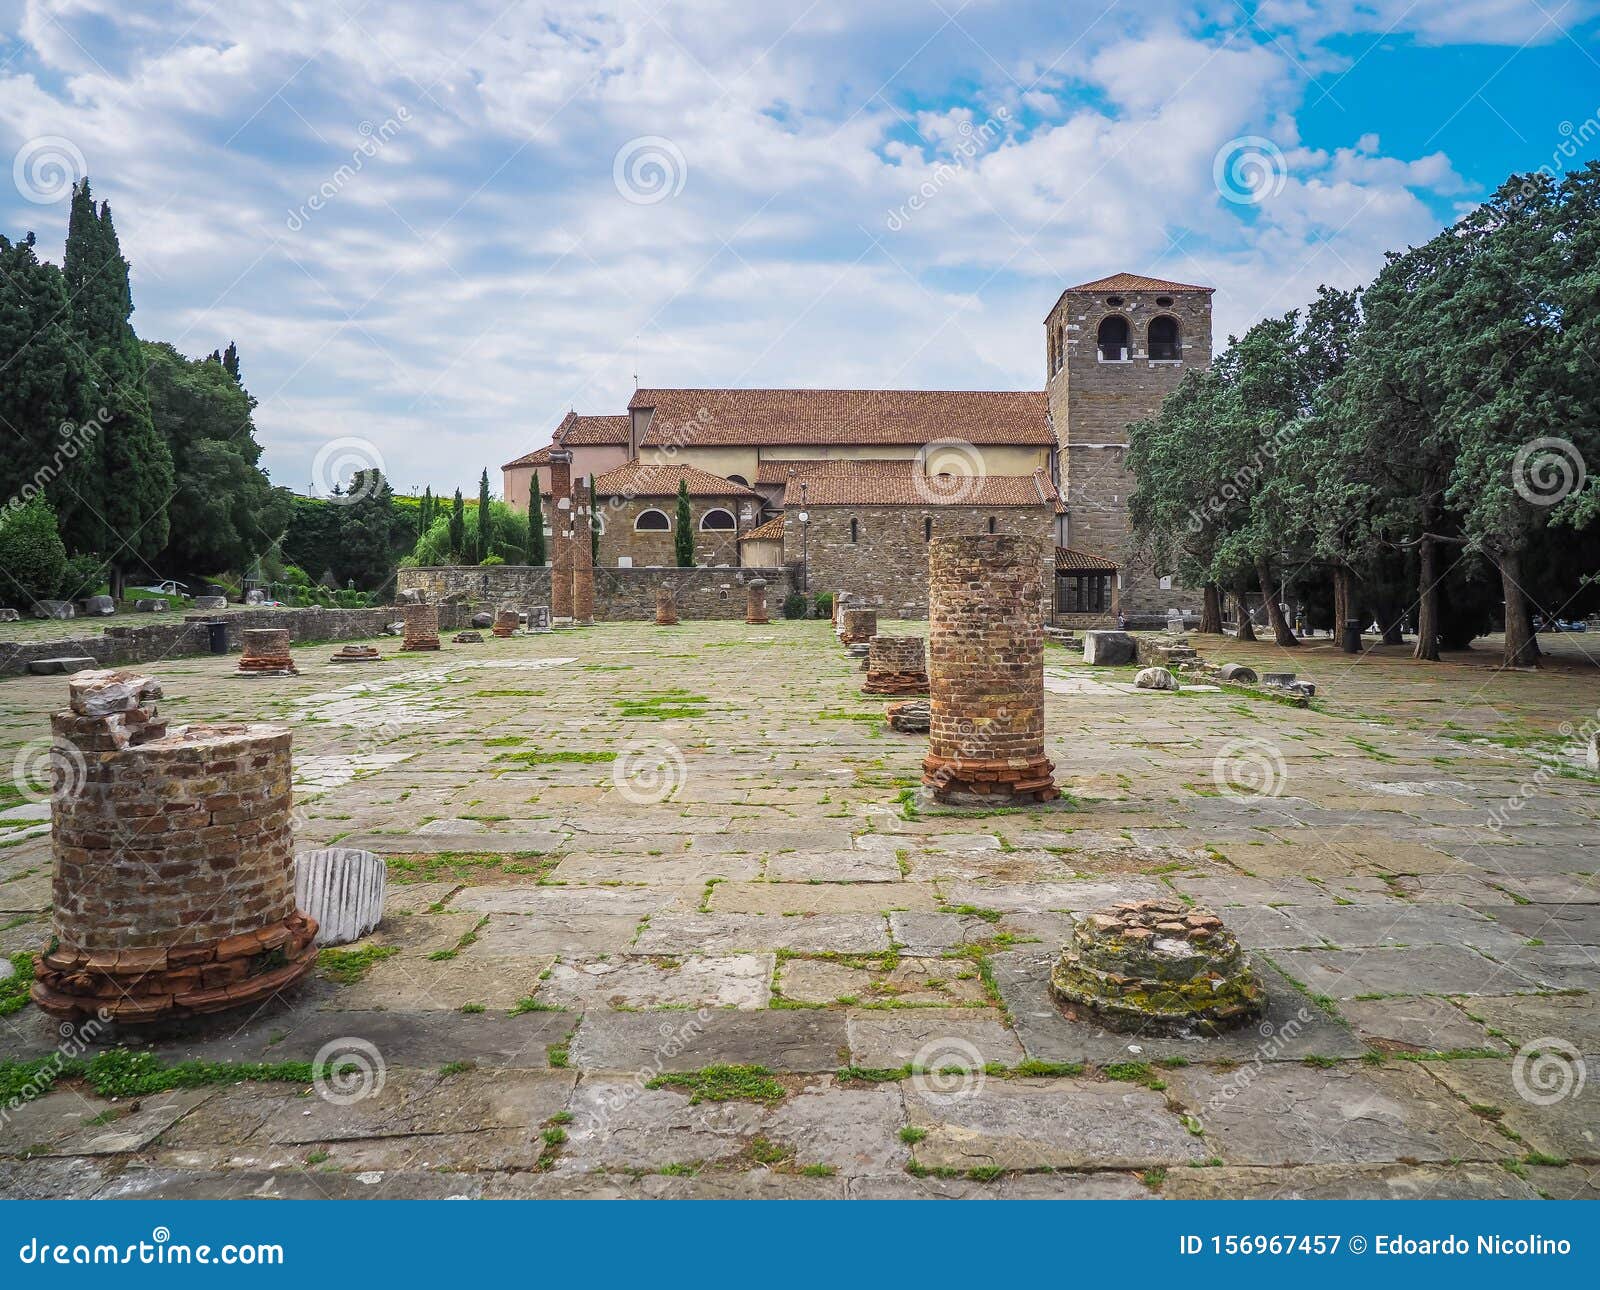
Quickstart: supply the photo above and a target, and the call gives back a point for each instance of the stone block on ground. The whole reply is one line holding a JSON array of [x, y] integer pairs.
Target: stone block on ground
[[104, 606], [1238, 673], [1155, 678], [67, 663], [342, 889], [208, 603], [1108, 648]]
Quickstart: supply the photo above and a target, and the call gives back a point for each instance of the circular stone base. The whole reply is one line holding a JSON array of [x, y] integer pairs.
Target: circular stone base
[[1157, 966], [965, 782]]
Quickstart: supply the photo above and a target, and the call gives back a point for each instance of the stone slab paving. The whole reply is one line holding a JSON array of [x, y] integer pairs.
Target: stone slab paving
[[563, 930]]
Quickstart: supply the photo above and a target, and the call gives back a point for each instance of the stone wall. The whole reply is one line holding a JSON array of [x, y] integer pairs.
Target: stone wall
[[655, 547], [887, 563], [1092, 403], [620, 595], [174, 637]]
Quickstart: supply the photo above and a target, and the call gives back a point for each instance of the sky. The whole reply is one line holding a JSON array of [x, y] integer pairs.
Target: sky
[[433, 228]]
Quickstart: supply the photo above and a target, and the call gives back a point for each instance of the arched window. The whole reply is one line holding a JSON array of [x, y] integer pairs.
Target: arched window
[[927, 528], [1164, 337], [855, 531], [717, 518], [991, 524], [1112, 338], [738, 479], [652, 522]]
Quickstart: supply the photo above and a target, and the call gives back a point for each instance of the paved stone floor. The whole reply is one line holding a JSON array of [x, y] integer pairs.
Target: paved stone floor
[[622, 856]]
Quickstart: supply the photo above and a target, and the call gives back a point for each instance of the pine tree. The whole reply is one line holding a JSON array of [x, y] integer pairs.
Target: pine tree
[[537, 554], [483, 517], [683, 539], [458, 529], [133, 482]]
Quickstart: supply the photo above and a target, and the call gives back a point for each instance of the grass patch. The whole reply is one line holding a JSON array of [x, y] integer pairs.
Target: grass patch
[[117, 1072], [14, 989], [665, 705], [723, 1084], [559, 757], [529, 1004], [469, 867], [349, 966]]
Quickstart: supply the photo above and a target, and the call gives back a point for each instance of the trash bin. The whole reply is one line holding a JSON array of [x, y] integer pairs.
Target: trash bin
[[219, 636], [1352, 636]]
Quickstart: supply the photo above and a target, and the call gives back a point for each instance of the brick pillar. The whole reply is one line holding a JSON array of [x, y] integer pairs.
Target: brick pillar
[[582, 558], [666, 607], [561, 529], [506, 621], [174, 861], [421, 626], [266, 652], [755, 604], [986, 672], [857, 626], [896, 665]]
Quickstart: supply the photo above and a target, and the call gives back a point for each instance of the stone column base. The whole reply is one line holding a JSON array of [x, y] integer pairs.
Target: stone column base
[[961, 781], [139, 985], [895, 683]]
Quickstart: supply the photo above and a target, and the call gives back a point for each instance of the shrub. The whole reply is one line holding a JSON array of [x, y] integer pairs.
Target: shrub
[[31, 552], [84, 575], [491, 559], [794, 605], [824, 604]]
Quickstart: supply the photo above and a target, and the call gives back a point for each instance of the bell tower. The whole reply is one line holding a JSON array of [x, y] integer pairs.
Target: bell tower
[[1114, 348]]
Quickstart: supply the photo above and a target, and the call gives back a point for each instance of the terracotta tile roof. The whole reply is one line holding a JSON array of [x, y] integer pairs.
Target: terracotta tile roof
[[771, 531], [902, 483], [540, 457], [578, 432], [743, 417], [635, 479], [590, 432], [1138, 282], [1070, 561]]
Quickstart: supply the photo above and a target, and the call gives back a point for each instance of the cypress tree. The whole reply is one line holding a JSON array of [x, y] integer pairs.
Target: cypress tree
[[594, 526], [483, 517], [230, 360], [425, 512], [458, 529], [537, 554], [683, 539], [45, 446], [133, 480]]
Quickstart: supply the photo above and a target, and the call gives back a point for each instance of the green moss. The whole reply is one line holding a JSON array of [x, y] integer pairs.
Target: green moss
[[14, 989], [552, 757], [117, 1072]]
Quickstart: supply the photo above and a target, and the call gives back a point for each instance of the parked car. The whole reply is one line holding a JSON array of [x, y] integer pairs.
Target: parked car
[[168, 588]]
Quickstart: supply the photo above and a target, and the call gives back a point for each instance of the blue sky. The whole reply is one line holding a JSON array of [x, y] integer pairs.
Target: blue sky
[[433, 229]]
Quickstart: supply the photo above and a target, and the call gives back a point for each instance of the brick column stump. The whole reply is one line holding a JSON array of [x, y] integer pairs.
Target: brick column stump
[[506, 621], [896, 665], [666, 607], [174, 863], [859, 626], [755, 604], [582, 561], [266, 652], [421, 627], [561, 558], [986, 672]]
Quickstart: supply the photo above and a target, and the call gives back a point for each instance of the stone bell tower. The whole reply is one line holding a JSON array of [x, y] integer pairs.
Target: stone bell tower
[[1114, 348]]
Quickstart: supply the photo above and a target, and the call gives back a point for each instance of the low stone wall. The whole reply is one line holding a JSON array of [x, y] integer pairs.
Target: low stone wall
[[620, 595], [171, 636]]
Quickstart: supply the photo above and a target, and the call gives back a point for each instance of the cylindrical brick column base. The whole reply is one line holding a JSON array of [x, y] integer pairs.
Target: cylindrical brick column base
[[986, 672], [666, 608], [421, 626], [506, 622], [896, 665], [755, 604], [174, 862], [266, 652], [859, 626]]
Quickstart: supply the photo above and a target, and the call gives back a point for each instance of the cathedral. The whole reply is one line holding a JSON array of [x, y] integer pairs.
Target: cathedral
[[843, 489]]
